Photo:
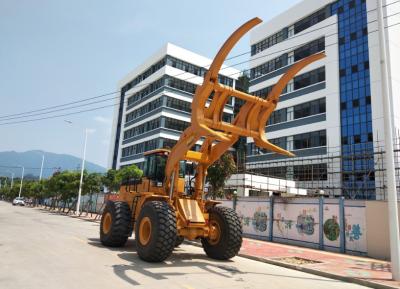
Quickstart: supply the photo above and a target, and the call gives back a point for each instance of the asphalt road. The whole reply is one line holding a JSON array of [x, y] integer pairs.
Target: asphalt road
[[43, 250]]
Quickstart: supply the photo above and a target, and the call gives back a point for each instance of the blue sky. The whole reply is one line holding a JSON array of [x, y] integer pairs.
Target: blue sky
[[53, 52]]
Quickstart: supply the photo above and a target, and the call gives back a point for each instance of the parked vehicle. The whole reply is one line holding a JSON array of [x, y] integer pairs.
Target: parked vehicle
[[18, 202]]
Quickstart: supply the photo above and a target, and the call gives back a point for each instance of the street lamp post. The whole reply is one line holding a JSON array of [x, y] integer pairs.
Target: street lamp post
[[22, 179], [41, 169], [78, 203], [389, 156], [82, 169]]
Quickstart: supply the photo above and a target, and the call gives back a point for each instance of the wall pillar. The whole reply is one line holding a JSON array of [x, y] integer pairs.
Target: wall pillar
[[271, 218], [342, 225]]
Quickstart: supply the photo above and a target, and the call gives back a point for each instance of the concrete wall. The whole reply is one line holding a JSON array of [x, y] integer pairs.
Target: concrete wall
[[349, 226], [378, 230]]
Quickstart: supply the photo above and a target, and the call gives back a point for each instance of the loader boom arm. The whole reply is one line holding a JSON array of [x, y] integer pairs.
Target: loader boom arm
[[207, 124]]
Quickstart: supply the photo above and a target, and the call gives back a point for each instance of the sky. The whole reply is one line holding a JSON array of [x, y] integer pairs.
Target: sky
[[55, 52]]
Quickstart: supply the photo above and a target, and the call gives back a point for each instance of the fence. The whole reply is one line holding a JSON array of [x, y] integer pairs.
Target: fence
[[338, 225], [92, 203]]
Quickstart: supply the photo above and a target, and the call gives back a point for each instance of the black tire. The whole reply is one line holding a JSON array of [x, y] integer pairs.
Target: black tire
[[121, 224], [230, 239], [162, 233], [179, 240]]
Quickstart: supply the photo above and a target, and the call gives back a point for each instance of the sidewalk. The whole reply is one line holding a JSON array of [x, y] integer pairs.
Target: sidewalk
[[361, 270]]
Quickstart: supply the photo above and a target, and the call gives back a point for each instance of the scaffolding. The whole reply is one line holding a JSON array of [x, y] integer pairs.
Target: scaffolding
[[355, 171]]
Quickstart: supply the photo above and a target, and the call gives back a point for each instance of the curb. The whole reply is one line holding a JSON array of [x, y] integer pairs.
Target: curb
[[320, 273], [70, 215], [310, 270]]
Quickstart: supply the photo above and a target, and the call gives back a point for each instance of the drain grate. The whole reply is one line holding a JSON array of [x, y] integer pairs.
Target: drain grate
[[296, 260]]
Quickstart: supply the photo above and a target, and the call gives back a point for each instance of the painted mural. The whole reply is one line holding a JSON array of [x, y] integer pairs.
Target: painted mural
[[305, 224], [296, 221], [355, 229], [260, 220], [332, 229], [254, 216], [331, 225]]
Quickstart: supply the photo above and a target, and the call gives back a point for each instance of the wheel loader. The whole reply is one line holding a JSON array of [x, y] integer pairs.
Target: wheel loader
[[157, 208]]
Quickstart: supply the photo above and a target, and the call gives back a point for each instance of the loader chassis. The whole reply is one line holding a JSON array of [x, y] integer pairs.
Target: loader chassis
[[158, 208]]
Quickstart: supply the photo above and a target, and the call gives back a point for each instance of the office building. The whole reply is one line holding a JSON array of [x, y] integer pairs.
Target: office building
[[154, 107], [333, 106]]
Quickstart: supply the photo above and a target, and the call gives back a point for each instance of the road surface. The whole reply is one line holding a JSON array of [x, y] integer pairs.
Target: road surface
[[42, 250]]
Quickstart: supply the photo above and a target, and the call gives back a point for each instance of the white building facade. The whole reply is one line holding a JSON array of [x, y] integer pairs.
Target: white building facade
[[155, 103], [334, 105]]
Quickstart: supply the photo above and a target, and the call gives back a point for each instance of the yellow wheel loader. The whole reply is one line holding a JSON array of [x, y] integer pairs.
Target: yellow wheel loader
[[157, 208]]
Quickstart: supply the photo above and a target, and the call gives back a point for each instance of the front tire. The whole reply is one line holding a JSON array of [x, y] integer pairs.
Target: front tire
[[155, 231], [225, 241], [116, 224]]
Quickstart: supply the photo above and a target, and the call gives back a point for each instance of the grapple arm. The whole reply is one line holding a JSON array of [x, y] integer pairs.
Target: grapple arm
[[207, 124]]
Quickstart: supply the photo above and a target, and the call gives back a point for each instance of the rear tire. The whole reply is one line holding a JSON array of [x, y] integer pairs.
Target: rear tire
[[116, 224], [155, 231], [229, 240]]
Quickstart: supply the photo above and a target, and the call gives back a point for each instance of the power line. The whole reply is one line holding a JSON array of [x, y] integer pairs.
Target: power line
[[60, 105], [205, 67], [102, 107], [60, 109], [60, 115], [118, 103]]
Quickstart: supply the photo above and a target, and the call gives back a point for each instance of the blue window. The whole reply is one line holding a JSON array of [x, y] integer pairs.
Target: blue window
[[355, 98]]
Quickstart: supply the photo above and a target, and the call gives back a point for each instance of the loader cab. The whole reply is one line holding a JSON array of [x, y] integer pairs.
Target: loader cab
[[154, 165]]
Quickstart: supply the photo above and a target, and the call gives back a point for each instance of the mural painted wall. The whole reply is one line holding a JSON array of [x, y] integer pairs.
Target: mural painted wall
[[254, 216], [331, 225], [226, 203], [355, 229], [296, 221]]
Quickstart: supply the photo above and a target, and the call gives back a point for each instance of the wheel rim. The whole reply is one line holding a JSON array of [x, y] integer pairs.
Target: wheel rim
[[215, 232], [107, 223], [145, 231]]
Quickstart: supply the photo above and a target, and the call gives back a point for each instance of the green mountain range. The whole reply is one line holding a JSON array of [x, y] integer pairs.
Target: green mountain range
[[32, 161]]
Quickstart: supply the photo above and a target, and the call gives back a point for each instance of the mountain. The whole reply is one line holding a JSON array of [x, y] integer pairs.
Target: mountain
[[32, 161]]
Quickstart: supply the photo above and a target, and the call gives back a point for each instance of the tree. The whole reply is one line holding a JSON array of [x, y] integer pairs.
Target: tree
[[218, 173], [111, 180], [38, 190], [91, 183], [64, 186], [128, 173]]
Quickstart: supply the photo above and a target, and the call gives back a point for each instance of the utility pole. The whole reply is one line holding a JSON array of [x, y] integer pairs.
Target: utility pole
[[82, 169], [41, 168], [389, 155], [22, 179]]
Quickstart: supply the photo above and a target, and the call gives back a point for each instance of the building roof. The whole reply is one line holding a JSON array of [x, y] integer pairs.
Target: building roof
[[180, 53]]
